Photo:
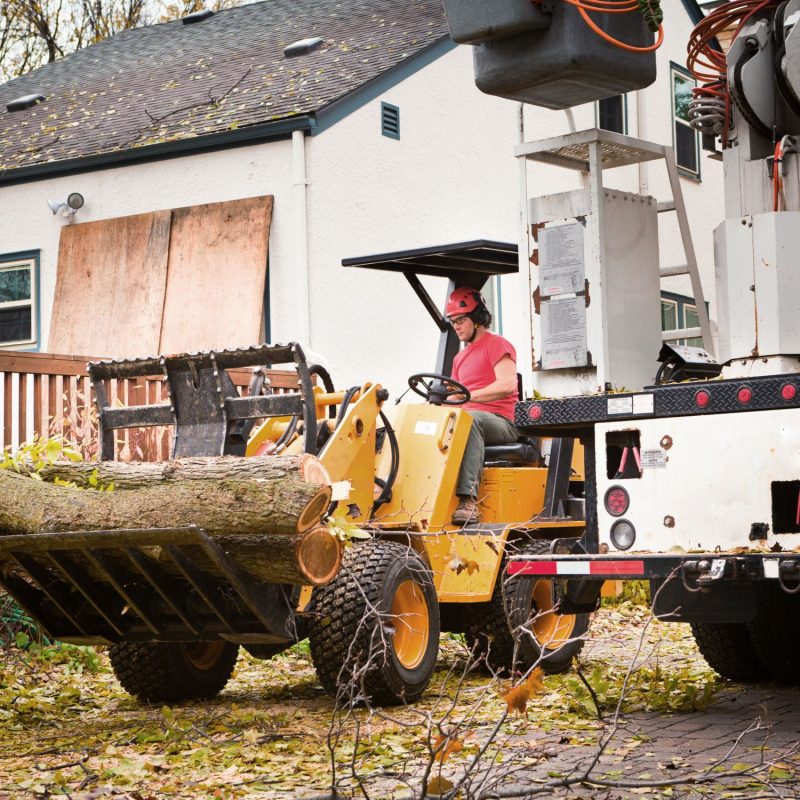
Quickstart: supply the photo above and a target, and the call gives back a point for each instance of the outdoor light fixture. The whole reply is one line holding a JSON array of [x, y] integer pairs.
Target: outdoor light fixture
[[68, 207]]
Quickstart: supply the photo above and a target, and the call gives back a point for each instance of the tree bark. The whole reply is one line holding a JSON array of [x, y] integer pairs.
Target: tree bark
[[263, 511]]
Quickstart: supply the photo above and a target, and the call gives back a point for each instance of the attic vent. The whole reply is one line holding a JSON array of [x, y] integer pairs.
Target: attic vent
[[197, 16], [390, 121], [303, 47], [28, 101]]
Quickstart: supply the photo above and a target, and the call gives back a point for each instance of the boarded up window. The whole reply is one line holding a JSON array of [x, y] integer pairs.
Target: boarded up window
[[187, 279]]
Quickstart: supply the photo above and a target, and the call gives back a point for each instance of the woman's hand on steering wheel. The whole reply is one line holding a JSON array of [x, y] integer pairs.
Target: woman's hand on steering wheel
[[439, 390]]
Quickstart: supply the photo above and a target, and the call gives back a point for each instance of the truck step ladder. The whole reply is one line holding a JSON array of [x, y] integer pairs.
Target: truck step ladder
[[594, 150]]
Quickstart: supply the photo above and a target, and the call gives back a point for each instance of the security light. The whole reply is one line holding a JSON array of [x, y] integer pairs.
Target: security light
[[67, 207]]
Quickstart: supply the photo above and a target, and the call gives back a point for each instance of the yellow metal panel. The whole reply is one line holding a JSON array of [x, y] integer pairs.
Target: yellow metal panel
[[432, 441], [350, 452], [611, 589], [465, 566], [511, 494], [577, 462]]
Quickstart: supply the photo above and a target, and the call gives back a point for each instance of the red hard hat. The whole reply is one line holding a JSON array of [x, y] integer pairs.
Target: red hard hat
[[463, 301]]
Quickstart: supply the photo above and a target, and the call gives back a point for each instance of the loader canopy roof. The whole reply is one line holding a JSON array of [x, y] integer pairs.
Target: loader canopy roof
[[466, 263]]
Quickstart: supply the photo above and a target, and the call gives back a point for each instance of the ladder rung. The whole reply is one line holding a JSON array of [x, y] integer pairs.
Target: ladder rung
[[665, 205], [681, 333], [674, 269]]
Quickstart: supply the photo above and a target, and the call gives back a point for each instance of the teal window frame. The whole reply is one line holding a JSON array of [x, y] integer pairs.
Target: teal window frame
[[682, 304], [675, 70], [30, 259]]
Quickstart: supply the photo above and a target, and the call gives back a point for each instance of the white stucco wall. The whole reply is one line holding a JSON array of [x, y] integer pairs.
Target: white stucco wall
[[450, 177], [26, 222]]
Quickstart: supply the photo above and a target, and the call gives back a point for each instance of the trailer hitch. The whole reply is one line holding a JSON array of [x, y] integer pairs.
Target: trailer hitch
[[704, 572]]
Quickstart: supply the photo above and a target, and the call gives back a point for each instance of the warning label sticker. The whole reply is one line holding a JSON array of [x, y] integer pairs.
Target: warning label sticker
[[654, 459]]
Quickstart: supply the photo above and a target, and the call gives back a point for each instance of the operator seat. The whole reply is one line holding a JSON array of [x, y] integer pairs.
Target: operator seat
[[525, 451]]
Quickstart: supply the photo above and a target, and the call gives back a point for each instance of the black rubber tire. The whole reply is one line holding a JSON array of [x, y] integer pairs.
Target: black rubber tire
[[169, 672], [350, 628], [499, 633], [729, 650], [774, 632]]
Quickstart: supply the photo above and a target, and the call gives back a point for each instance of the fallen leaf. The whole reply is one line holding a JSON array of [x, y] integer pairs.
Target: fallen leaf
[[517, 696], [444, 746], [439, 785]]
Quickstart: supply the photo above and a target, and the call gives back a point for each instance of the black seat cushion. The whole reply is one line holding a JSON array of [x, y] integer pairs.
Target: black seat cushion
[[524, 451]]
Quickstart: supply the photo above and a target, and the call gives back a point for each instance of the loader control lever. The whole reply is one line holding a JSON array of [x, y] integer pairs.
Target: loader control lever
[[439, 390]]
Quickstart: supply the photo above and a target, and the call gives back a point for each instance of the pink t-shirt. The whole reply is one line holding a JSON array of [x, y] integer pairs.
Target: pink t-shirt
[[474, 367]]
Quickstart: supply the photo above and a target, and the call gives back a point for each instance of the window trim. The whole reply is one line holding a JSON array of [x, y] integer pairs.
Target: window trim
[[682, 302], [31, 259], [624, 97], [677, 69]]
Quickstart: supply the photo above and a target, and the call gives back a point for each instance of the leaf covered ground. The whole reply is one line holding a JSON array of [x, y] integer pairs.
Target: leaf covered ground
[[68, 729]]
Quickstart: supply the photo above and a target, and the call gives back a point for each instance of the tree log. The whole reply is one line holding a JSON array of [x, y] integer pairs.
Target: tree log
[[264, 511]]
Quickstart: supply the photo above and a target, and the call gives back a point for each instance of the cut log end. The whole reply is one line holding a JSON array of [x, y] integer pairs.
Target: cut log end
[[317, 506], [319, 555]]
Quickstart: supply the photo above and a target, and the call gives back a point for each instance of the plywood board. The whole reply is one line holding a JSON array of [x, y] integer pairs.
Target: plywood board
[[110, 286], [216, 275]]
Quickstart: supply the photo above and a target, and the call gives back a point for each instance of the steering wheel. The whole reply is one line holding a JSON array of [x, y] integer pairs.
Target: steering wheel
[[438, 390]]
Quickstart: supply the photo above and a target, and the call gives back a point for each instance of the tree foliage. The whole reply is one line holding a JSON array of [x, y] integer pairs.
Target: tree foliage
[[35, 32]]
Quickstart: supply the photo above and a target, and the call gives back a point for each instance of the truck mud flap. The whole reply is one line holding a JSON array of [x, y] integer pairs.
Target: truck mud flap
[[143, 585]]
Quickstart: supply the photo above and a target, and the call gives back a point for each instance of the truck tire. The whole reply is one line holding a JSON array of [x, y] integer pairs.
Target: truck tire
[[511, 635], [774, 632], [729, 650], [374, 629], [169, 672]]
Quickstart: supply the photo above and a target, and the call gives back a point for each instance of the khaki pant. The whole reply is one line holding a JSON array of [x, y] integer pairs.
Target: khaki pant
[[487, 428]]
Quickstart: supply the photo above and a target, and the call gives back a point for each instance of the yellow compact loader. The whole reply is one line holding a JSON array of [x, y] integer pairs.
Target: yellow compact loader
[[408, 573]]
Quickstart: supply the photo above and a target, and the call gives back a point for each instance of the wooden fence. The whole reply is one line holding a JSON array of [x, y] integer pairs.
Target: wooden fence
[[46, 394]]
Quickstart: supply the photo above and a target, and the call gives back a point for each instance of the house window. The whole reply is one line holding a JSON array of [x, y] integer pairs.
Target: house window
[[19, 317], [390, 121], [679, 311], [491, 294], [611, 114], [685, 139]]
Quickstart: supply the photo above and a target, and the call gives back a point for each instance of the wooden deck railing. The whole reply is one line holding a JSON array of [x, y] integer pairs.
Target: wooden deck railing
[[46, 394]]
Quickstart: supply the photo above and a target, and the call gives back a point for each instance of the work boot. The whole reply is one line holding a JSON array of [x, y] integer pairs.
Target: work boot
[[466, 512]]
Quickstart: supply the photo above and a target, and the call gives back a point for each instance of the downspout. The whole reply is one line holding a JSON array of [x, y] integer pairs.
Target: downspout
[[641, 132], [300, 238]]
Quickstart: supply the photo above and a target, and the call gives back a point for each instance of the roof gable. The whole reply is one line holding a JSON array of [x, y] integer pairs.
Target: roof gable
[[173, 82]]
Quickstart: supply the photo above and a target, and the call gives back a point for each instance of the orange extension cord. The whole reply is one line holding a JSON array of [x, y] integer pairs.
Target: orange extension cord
[[709, 65], [613, 7]]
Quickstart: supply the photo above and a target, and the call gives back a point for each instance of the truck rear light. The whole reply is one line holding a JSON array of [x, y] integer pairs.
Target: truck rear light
[[617, 501], [788, 392], [535, 412], [744, 395], [702, 398], [623, 534]]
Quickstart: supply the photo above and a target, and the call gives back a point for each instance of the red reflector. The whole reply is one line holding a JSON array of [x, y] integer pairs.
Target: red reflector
[[532, 568], [535, 412], [702, 398], [617, 501], [788, 392], [744, 395]]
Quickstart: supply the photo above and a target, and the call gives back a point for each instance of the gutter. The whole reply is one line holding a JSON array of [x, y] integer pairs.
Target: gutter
[[269, 131]]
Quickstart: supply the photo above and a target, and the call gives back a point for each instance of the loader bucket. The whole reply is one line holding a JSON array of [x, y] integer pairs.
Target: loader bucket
[[145, 585]]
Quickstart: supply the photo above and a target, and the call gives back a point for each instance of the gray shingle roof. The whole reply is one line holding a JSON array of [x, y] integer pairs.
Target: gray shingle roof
[[173, 81]]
